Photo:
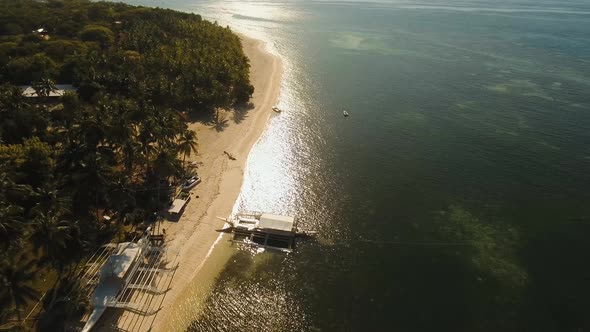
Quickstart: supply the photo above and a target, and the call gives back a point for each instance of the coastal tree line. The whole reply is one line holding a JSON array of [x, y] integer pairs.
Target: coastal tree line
[[111, 147]]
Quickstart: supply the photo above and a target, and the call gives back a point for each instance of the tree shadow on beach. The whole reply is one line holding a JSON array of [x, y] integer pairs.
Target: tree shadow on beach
[[220, 122], [240, 112], [205, 117], [215, 120]]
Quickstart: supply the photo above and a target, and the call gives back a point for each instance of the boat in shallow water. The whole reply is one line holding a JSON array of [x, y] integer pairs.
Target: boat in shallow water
[[266, 230]]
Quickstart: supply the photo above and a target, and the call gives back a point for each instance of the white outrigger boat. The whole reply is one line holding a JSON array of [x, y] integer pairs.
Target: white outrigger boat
[[126, 276], [266, 230], [113, 276]]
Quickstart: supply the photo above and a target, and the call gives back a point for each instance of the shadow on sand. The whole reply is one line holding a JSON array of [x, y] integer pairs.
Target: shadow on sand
[[219, 120], [215, 120], [240, 112]]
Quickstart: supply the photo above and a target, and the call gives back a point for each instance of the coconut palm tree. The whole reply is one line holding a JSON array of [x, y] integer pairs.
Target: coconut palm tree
[[50, 199], [130, 155], [10, 223], [187, 143], [15, 279], [147, 139], [9, 190], [44, 87], [49, 234], [166, 165], [89, 179], [11, 213]]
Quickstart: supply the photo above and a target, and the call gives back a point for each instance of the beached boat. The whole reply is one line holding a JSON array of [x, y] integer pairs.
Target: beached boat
[[276, 109], [266, 230], [112, 278], [190, 182], [126, 276], [179, 202]]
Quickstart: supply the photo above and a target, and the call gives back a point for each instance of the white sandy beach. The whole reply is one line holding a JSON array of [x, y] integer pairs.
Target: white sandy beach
[[190, 239]]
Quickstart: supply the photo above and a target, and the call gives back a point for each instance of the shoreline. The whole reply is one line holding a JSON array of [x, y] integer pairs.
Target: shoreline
[[193, 239]]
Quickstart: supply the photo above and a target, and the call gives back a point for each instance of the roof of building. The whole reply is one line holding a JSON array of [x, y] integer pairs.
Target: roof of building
[[276, 222], [60, 90]]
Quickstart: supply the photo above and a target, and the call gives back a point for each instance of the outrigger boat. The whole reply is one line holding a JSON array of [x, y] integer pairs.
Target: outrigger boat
[[266, 230], [114, 275]]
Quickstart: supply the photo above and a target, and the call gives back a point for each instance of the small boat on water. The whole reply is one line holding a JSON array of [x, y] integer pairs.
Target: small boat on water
[[266, 230], [345, 113], [276, 109]]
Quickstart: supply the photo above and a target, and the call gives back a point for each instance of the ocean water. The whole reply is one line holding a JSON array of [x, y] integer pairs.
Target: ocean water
[[480, 105]]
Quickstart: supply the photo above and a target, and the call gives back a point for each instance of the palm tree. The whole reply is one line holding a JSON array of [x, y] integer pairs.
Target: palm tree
[[15, 279], [11, 194], [50, 199], [89, 179], [44, 87], [50, 234], [166, 165], [93, 130], [10, 220], [130, 153], [146, 138], [187, 143], [11, 190]]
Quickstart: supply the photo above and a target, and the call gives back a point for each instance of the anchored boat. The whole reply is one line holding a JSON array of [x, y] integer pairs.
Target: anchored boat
[[266, 230]]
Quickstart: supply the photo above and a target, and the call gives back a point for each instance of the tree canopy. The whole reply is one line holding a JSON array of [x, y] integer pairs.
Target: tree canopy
[[113, 145], [164, 57]]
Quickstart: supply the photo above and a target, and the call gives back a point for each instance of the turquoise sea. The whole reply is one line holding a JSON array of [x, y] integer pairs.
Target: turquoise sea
[[477, 107]]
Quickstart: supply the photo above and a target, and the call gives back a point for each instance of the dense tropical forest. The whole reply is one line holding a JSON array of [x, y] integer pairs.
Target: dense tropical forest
[[111, 145]]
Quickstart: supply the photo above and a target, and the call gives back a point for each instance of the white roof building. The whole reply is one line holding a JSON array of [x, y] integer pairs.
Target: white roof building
[[60, 90]]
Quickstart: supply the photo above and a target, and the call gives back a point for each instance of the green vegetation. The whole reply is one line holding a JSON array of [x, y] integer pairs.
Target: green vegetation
[[491, 250], [113, 147]]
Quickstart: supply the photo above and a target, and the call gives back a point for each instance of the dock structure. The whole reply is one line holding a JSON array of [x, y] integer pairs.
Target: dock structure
[[129, 276]]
